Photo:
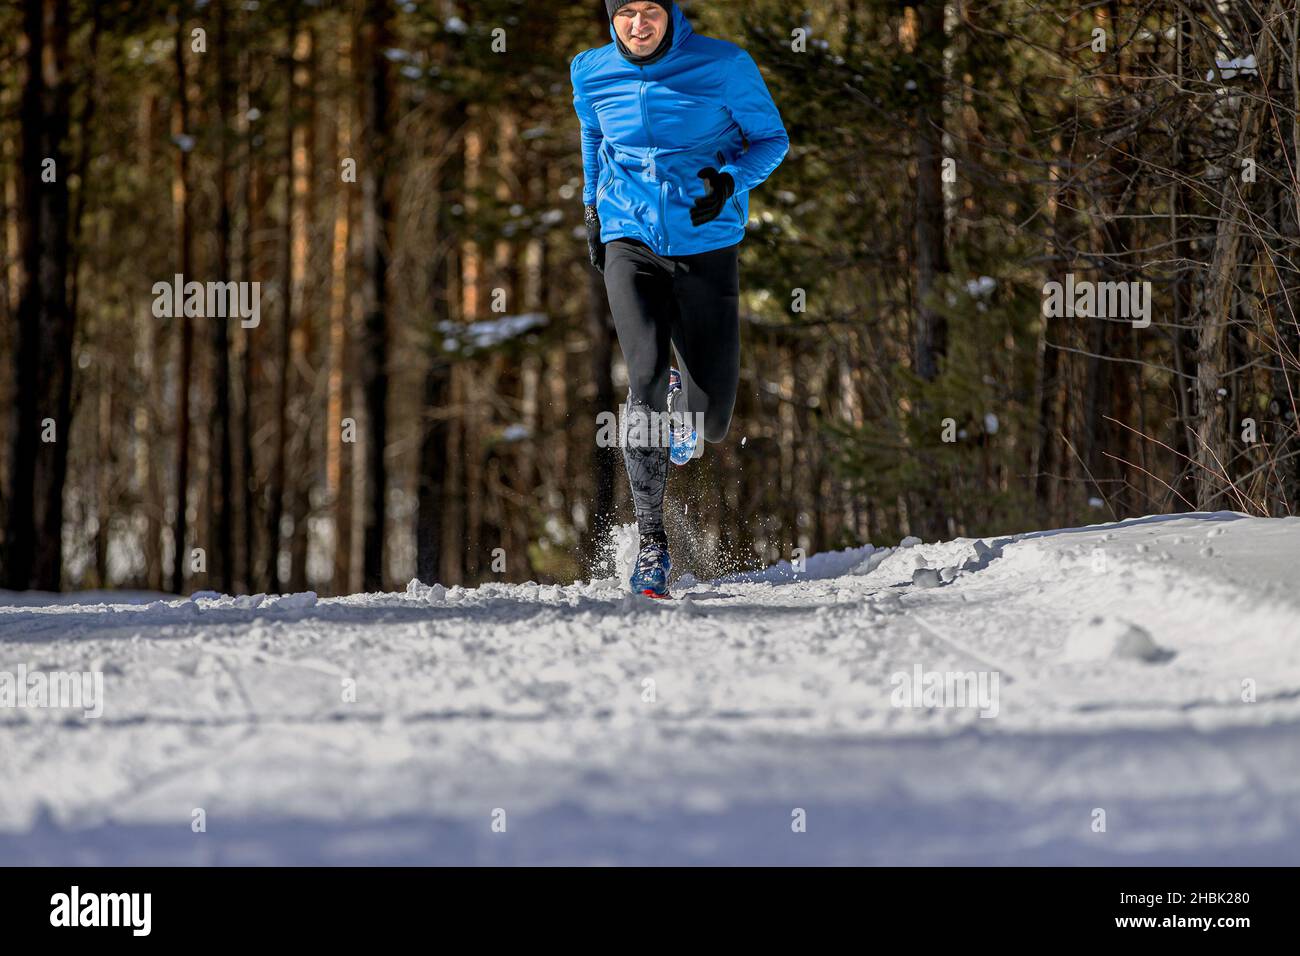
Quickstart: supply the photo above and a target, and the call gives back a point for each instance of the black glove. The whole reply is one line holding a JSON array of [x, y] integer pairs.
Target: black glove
[[595, 248], [718, 188]]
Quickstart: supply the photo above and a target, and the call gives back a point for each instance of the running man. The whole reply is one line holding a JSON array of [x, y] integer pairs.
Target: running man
[[677, 128]]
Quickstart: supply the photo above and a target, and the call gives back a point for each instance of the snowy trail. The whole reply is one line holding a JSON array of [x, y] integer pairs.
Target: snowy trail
[[1119, 653]]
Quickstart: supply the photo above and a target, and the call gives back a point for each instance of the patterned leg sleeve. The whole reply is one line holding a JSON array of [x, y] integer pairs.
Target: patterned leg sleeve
[[646, 458]]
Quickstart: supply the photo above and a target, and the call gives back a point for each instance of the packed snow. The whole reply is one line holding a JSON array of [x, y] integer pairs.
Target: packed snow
[[1126, 693]]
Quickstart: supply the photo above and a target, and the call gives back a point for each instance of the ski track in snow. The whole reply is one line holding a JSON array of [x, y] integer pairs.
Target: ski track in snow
[[1120, 650]]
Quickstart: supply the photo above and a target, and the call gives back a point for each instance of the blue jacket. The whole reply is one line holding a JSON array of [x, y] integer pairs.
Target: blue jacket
[[647, 131]]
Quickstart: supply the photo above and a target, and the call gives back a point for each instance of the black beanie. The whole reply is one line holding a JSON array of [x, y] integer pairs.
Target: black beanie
[[613, 5]]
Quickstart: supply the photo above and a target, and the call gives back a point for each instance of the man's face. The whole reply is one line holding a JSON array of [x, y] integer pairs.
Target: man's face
[[641, 26]]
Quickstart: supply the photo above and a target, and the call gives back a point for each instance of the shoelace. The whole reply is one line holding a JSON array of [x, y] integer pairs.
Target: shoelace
[[681, 428], [680, 425], [649, 556]]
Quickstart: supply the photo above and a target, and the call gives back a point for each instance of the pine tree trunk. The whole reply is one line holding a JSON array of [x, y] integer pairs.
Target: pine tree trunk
[[931, 243], [251, 200], [338, 463], [431, 539], [376, 246], [1213, 387], [221, 568], [302, 354], [276, 487], [183, 214], [20, 534]]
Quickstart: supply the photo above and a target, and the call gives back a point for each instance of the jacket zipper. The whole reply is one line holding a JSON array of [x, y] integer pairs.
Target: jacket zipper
[[663, 207], [663, 215]]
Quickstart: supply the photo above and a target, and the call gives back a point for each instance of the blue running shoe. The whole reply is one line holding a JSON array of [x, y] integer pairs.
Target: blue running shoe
[[650, 576], [682, 439]]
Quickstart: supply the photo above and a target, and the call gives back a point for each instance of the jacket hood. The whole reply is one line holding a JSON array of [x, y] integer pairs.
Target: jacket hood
[[681, 30]]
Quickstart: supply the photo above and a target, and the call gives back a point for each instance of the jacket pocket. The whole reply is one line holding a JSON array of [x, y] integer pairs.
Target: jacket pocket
[[735, 199]]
